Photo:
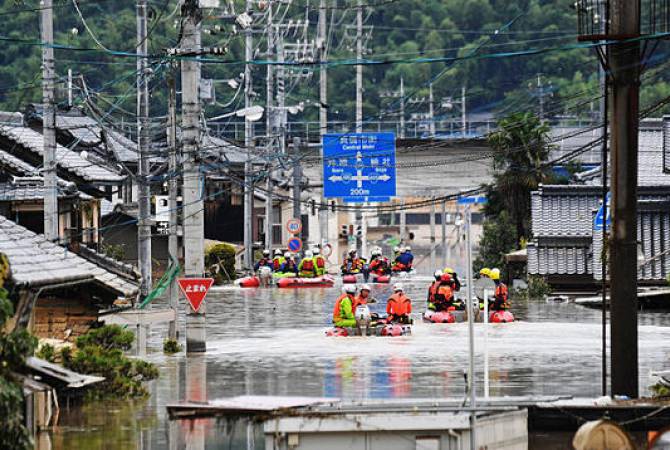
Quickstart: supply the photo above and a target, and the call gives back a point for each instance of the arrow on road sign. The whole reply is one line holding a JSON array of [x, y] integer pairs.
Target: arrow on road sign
[[603, 219], [195, 290]]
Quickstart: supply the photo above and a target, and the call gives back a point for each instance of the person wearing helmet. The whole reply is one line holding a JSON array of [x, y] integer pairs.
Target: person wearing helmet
[[454, 278], [501, 295], [289, 268], [278, 260], [485, 273], [352, 264], [319, 261], [403, 262], [398, 306], [265, 261], [363, 296], [432, 289], [307, 267], [410, 255], [343, 313], [396, 252], [379, 265]]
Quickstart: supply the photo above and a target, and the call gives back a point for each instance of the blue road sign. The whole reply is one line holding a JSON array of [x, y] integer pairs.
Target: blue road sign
[[294, 244], [474, 200], [359, 165], [603, 217]]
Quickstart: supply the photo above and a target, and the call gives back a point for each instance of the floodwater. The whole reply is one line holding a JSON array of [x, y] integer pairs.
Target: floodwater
[[272, 342]]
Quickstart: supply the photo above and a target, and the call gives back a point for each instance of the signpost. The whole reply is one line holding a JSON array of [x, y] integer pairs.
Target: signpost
[[294, 244], [294, 226], [357, 166], [195, 290], [468, 202], [603, 217]]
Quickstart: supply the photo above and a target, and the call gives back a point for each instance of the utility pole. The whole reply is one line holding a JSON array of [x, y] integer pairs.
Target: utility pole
[[624, 61], [403, 222], [281, 90], [194, 217], [402, 108], [297, 177], [51, 227], [323, 114], [269, 131], [471, 304], [248, 142], [143, 142], [359, 67], [464, 116], [432, 233], [173, 238], [431, 110], [444, 234], [541, 95]]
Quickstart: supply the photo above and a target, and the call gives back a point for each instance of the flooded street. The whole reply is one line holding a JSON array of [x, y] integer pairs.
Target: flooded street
[[272, 342]]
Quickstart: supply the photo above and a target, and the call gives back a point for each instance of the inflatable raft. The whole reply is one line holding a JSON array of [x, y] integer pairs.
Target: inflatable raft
[[439, 317], [501, 317], [323, 281]]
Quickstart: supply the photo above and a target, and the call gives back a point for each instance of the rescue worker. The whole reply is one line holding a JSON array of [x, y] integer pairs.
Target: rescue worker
[[277, 261], [403, 263], [379, 265], [265, 261], [289, 266], [456, 283], [319, 261], [444, 295], [362, 297], [410, 256], [398, 306], [396, 252], [352, 264], [500, 299], [485, 273], [432, 289], [343, 313], [307, 267]]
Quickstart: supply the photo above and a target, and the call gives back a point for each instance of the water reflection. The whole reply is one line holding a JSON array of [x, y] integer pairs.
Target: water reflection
[[272, 342]]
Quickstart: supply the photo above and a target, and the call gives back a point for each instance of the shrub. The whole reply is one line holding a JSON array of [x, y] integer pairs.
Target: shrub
[[660, 390], [171, 346], [100, 352], [220, 262], [47, 352]]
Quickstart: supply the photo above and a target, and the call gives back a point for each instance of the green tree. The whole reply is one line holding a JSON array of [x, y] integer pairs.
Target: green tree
[[14, 347], [498, 239], [521, 147]]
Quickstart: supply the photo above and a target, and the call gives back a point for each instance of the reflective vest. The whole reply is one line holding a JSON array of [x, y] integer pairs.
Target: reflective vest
[[444, 293], [307, 265], [432, 290], [338, 304], [277, 262], [501, 293], [320, 262], [398, 305], [359, 301]]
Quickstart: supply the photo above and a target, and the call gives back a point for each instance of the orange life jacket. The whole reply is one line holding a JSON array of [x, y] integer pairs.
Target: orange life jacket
[[276, 264], [444, 293], [501, 293], [432, 290], [358, 301], [398, 305], [336, 310]]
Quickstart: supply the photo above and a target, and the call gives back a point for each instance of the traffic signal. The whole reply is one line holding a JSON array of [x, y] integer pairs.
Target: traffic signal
[[359, 230], [344, 231]]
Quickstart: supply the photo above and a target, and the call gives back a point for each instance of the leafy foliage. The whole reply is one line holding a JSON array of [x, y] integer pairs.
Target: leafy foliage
[[46, 352], [220, 262], [171, 346], [100, 352], [498, 239]]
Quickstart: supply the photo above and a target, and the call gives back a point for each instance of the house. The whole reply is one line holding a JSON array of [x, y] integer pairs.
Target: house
[[566, 250], [60, 294]]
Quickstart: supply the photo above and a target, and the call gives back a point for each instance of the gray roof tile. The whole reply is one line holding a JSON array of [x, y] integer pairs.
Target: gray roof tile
[[66, 158], [35, 261]]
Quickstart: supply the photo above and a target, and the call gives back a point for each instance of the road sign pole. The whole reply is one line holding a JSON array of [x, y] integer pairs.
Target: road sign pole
[[471, 331]]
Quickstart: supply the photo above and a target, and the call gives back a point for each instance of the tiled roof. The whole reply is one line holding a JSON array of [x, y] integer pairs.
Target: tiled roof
[[66, 158], [563, 210], [34, 190], [559, 260], [36, 261]]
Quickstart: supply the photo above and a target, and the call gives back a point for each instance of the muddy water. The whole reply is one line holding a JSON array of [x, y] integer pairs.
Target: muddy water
[[272, 342]]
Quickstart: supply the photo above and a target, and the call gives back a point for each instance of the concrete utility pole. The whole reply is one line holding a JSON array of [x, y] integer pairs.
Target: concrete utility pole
[[248, 143], [402, 108], [432, 233], [194, 217], [624, 61], [51, 232], [143, 143], [470, 305], [297, 176], [173, 238], [359, 67], [269, 129], [464, 116], [444, 234], [323, 114], [281, 90], [403, 221], [431, 110]]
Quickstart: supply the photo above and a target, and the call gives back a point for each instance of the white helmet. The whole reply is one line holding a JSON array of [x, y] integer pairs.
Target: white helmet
[[266, 252], [277, 252], [352, 251], [398, 287], [408, 249], [287, 255], [309, 254], [396, 249], [316, 251], [437, 274], [365, 287], [349, 288]]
